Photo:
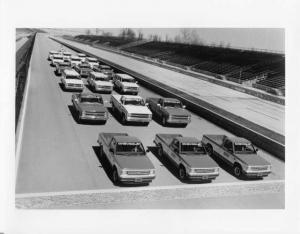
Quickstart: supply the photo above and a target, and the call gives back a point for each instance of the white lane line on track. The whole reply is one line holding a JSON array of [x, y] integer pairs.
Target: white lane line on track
[[19, 132], [121, 190]]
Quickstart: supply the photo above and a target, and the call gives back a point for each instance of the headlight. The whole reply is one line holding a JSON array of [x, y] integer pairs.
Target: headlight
[[152, 171], [216, 169], [83, 113], [129, 115], [123, 172], [269, 167], [169, 116]]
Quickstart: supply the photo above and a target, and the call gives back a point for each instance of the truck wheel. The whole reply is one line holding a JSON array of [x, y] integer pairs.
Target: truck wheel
[[78, 117], [210, 150], [164, 121], [101, 152], [115, 176], [160, 151], [113, 108], [182, 173], [237, 170], [124, 121]]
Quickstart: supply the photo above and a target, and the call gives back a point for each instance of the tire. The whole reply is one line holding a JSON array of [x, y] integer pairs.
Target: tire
[[115, 176], [164, 121], [210, 150], [181, 173], [160, 151], [101, 152], [237, 170], [124, 121], [113, 108], [78, 117]]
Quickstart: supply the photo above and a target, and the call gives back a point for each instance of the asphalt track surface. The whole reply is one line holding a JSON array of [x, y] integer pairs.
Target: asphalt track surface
[[58, 154], [20, 42], [262, 112]]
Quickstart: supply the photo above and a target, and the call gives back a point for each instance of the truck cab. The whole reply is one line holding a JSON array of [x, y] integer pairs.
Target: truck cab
[[71, 80], [100, 82], [125, 83]]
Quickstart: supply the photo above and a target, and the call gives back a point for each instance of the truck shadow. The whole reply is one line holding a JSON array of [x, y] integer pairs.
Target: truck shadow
[[108, 170], [229, 169], [172, 168], [118, 118], [85, 122], [158, 120]]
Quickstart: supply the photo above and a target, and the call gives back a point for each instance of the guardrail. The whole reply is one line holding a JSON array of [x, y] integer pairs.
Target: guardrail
[[260, 136], [197, 73], [22, 63]]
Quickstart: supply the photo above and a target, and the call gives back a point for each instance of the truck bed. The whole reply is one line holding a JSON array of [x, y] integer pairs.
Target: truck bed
[[217, 139], [108, 136], [152, 100], [167, 138]]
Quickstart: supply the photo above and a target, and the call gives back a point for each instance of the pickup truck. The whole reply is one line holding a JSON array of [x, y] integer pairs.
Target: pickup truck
[[188, 155], [169, 111], [105, 69], [127, 157], [83, 69], [239, 153], [56, 58], [131, 108], [100, 82], [70, 80], [51, 53], [89, 106], [66, 55], [125, 84], [81, 56], [92, 61], [61, 66], [75, 60]]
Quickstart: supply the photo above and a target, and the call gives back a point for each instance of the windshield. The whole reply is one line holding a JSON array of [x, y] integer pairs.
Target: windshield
[[92, 60], [76, 59], [172, 104], [130, 147], [135, 102], [102, 78], [85, 65], [58, 57], [243, 148], [195, 148], [91, 99], [128, 80], [72, 77]]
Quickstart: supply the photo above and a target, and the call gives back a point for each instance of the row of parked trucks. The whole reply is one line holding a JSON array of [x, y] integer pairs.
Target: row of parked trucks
[[192, 158]]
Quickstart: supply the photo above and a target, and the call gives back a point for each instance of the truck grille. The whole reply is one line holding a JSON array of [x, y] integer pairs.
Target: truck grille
[[98, 114], [75, 85], [131, 88], [179, 117], [259, 168], [138, 172], [139, 115], [205, 170], [104, 87]]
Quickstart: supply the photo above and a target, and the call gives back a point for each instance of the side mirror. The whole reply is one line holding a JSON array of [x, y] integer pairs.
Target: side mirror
[[176, 150], [158, 105], [111, 150], [183, 106], [256, 150]]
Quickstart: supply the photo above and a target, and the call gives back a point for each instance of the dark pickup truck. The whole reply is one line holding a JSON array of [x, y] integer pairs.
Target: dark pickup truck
[[169, 111], [89, 106], [188, 155], [83, 69], [239, 153], [127, 157], [61, 66]]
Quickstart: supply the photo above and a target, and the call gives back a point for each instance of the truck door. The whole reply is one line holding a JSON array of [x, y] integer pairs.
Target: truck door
[[174, 151], [159, 108], [228, 150]]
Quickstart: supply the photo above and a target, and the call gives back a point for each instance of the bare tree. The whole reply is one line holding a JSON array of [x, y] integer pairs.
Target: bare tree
[[127, 33], [140, 35], [88, 32]]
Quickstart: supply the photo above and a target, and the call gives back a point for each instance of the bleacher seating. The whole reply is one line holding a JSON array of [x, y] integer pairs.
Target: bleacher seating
[[107, 40]]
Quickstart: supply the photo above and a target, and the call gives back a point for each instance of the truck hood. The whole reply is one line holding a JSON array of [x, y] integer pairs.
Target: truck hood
[[176, 111], [134, 162], [131, 109], [74, 81], [92, 107], [253, 159], [128, 84], [199, 161], [104, 83]]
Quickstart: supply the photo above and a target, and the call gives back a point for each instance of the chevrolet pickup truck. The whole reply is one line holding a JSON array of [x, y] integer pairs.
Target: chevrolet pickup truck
[[51, 53], [105, 69], [92, 61], [126, 84], [100, 82], [66, 55], [56, 58], [61, 66], [75, 60], [239, 153], [131, 108], [89, 106], [169, 111], [71, 80], [127, 157], [83, 69], [81, 56], [188, 155]]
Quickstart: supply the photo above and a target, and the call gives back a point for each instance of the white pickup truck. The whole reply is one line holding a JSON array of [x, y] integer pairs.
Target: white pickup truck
[[56, 58], [239, 153], [188, 155], [100, 82], [131, 108], [71, 80], [127, 158], [125, 84]]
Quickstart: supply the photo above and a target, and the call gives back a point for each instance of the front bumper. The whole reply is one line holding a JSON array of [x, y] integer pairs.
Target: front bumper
[[202, 176], [68, 87], [257, 174], [134, 91], [139, 120], [136, 180], [104, 89], [94, 117], [178, 121]]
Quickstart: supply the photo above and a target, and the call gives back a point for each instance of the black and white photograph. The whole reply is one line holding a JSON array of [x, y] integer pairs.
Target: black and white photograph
[[121, 115]]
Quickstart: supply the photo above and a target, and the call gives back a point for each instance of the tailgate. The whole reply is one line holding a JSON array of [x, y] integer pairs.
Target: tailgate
[[106, 137]]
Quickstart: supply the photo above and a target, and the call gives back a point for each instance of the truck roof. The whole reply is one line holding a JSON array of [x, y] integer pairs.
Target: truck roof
[[126, 139], [239, 140], [87, 95], [70, 72], [170, 99], [128, 97], [187, 139], [99, 74], [122, 75]]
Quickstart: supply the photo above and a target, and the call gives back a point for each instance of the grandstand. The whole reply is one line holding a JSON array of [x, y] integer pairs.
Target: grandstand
[[262, 70]]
